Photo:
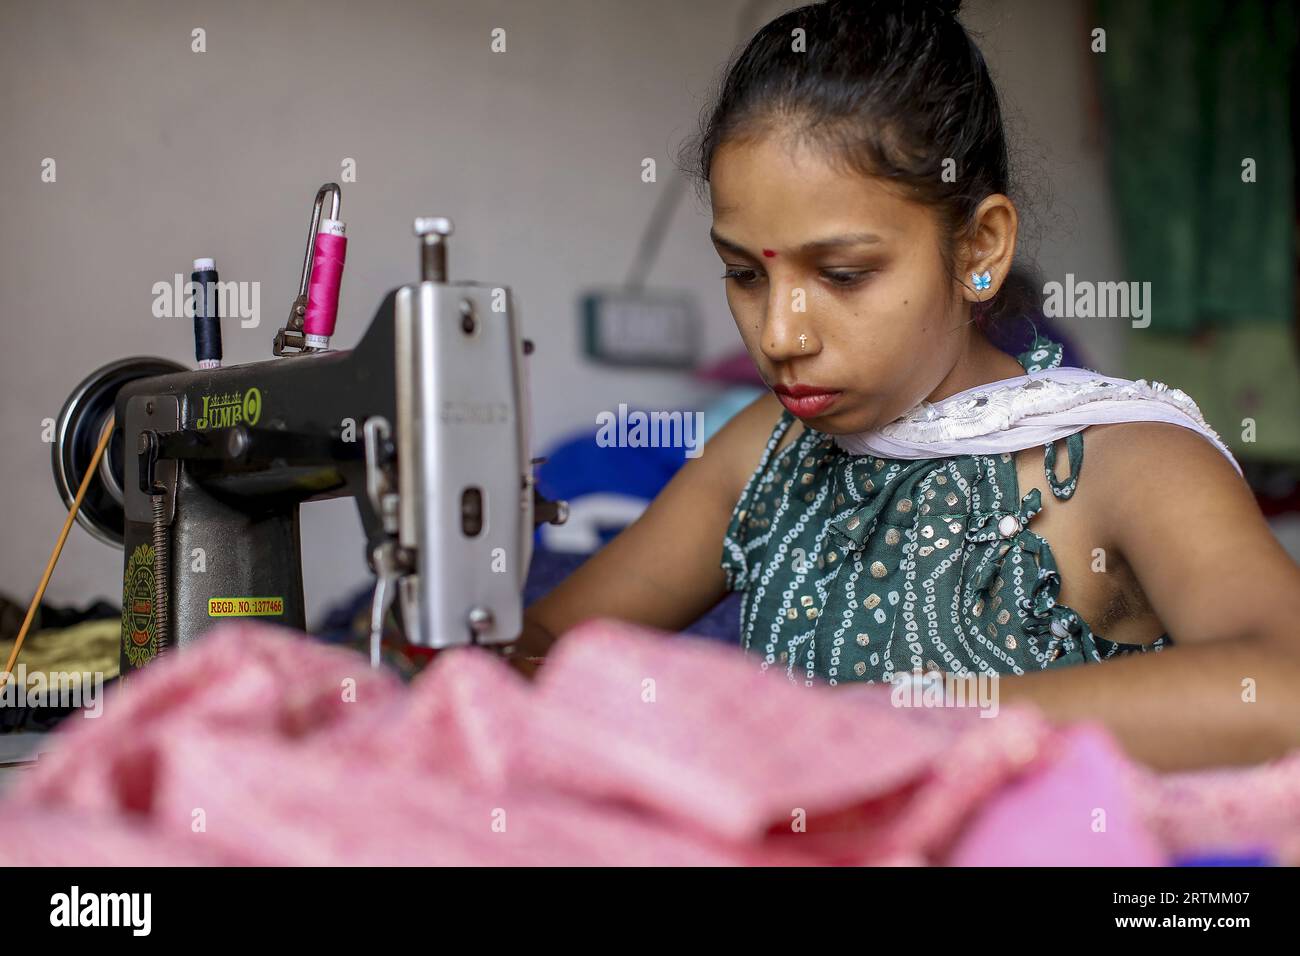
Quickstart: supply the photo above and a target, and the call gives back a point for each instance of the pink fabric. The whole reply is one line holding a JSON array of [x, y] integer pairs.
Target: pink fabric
[[631, 748], [1081, 808]]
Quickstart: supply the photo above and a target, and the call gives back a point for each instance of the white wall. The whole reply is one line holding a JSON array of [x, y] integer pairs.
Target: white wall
[[165, 154]]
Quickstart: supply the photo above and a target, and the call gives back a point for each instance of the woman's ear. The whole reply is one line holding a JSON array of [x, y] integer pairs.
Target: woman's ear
[[989, 249]]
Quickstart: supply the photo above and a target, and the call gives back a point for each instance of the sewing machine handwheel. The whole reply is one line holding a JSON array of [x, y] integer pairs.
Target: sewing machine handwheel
[[76, 434]]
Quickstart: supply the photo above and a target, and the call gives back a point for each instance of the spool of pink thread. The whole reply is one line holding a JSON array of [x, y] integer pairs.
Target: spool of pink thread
[[323, 289]]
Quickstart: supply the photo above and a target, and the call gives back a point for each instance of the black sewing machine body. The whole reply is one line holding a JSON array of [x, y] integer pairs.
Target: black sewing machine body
[[237, 450], [424, 423]]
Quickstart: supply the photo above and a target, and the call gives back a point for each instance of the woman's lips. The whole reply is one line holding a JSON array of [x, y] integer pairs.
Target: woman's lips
[[806, 401]]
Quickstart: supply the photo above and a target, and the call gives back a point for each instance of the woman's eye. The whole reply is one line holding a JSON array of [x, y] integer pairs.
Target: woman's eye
[[743, 276], [845, 279]]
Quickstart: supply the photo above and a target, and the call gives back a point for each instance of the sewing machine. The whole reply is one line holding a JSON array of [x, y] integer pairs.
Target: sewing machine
[[424, 423]]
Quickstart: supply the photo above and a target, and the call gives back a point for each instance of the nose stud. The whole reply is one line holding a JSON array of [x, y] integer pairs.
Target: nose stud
[[803, 343]]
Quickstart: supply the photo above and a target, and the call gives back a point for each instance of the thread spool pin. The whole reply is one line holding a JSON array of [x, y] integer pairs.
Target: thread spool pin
[[433, 232]]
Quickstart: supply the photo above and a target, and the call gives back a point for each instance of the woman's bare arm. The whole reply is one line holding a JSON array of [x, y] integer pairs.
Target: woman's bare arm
[[663, 570], [1222, 586]]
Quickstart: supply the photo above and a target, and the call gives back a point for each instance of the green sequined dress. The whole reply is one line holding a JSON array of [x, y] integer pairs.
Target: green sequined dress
[[857, 568]]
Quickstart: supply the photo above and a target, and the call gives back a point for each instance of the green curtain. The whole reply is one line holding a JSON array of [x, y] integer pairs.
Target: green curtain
[[1189, 91]]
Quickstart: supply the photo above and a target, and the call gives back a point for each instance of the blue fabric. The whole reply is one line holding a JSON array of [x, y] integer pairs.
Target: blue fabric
[[579, 466], [1227, 859]]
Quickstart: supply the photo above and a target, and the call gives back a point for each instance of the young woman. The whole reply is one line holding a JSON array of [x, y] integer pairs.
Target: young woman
[[896, 504]]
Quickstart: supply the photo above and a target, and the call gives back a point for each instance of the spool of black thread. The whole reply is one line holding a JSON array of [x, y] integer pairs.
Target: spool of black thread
[[207, 321]]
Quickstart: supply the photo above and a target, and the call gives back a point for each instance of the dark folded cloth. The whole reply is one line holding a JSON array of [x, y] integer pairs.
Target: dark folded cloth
[[50, 617]]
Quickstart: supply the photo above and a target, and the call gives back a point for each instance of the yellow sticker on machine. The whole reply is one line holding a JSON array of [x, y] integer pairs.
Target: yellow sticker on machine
[[245, 606]]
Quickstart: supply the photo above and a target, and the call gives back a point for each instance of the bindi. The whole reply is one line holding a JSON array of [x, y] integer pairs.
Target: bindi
[[769, 253]]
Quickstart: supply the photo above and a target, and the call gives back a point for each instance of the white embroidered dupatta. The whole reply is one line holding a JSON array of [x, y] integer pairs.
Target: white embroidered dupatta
[[1028, 410]]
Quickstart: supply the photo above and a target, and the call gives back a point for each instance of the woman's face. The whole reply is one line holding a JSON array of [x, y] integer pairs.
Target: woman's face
[[836, 283]]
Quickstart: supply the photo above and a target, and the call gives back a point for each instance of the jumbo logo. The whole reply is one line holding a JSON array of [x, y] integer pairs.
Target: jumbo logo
[[230, 409]]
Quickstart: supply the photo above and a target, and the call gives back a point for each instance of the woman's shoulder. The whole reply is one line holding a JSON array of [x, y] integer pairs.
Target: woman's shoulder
[[1132, 449], [1144, 459]]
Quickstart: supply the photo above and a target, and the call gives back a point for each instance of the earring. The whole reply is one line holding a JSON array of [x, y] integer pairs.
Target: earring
[[803, 343], [982, 280]]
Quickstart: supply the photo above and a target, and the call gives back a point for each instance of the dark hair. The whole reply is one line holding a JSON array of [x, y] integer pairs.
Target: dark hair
[[890, 88]]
